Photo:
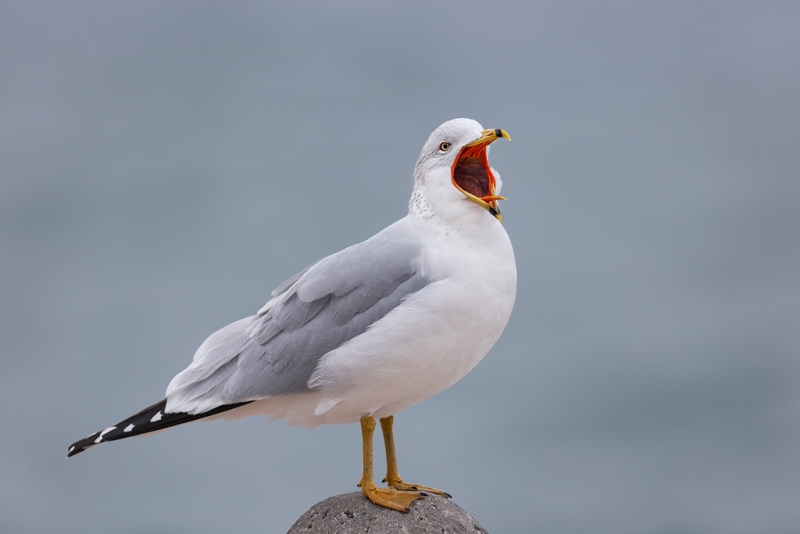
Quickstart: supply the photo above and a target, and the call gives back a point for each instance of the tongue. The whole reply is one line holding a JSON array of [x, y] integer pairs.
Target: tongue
[[472, 178]]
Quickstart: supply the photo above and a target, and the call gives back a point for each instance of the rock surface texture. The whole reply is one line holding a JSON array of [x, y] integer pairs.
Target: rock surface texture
[[351, 513]]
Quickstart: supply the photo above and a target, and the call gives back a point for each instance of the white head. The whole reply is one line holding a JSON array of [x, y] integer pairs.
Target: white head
[[452, 178]]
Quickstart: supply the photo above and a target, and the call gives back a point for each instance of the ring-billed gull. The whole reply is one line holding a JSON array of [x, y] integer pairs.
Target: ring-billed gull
[[371, 330]]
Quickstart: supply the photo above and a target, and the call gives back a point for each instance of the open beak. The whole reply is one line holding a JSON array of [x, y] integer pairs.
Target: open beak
[[472, 175]]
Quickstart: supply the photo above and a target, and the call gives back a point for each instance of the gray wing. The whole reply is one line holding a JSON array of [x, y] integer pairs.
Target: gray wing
[[275, 352]]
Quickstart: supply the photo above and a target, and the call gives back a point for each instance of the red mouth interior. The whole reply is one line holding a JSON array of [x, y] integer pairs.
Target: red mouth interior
[[471, 172]]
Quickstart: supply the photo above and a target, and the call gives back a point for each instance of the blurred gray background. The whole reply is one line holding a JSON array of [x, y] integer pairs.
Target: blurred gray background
[[164, 165]]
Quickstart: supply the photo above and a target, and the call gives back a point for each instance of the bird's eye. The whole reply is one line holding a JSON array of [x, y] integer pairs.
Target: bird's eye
[[444, 147]]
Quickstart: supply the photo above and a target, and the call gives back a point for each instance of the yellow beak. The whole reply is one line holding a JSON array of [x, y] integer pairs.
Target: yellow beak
[[472, 175], [489, 136]]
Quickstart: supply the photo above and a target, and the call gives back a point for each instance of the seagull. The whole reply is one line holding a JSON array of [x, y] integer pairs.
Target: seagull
[[368, 331]]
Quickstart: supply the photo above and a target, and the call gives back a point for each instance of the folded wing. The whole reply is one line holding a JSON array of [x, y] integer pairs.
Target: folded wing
[[275, 352]]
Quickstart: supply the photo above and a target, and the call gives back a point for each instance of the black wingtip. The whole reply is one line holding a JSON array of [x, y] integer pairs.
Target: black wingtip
[[151, 419], [80, 446], [145, 421]]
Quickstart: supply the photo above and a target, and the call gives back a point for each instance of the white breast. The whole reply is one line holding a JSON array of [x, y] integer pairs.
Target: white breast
[[425, 345]]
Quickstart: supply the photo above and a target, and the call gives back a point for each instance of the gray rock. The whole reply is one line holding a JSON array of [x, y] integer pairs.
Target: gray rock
[[351, 513]]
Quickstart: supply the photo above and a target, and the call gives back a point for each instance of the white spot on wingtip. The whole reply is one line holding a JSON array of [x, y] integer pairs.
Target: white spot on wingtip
[[103, 433], [128, 428], [71, 449], [156, 417]]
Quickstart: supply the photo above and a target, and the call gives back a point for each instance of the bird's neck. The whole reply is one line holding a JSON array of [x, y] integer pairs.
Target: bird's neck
[[418, 205]]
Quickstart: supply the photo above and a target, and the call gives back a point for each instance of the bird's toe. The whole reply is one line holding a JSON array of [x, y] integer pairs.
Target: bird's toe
[[392, 498]]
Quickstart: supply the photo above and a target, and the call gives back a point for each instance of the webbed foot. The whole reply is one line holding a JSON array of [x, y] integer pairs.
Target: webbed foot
[[392, 498], [398, 484]]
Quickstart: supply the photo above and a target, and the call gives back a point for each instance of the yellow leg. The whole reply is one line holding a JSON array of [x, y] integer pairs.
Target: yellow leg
[[387, 497], [392, 476]]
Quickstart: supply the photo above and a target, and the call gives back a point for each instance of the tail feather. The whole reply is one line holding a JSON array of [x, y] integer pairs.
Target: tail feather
[[151, 419]]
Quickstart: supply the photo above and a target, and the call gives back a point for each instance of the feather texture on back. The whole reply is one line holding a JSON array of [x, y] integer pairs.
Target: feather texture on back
[[275, 352]]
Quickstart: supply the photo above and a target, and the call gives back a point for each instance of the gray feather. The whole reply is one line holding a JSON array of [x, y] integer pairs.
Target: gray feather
[[291, 281], [318, 310]]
